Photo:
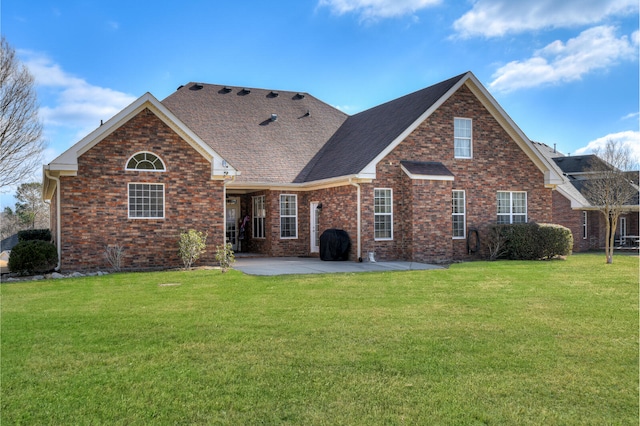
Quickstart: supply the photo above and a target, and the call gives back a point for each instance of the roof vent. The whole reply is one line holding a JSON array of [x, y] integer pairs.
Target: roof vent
[[273, 94], [244, 91], [180, 87], [197, 86], [226, 89], [274, 117], [298, 96]]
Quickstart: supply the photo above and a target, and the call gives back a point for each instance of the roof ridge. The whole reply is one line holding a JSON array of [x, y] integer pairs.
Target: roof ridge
[[364, 135]]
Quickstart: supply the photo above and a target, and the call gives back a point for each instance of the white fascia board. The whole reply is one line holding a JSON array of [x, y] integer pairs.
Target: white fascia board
[[305, 186], [68, 160], [551, 177], [427, 177], [370, 169], [577, 202]]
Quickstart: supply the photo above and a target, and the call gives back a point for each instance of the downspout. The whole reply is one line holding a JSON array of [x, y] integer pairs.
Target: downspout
[[58, 224], [359, 220]]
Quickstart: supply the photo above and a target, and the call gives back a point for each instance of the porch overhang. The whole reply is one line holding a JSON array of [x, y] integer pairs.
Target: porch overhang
[[239, 187]]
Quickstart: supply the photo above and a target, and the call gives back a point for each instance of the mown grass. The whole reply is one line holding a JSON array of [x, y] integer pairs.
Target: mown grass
[[479, 343]]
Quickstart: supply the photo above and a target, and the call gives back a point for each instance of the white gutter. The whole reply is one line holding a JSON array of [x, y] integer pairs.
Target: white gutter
[[359, 213], [58, 224]]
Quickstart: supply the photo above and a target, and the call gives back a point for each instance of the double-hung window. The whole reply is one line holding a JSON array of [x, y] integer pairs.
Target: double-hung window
[[258, 217], [146, 201], [458, 214], [512, 207], [462, 140], [288, 216], [383, 213]]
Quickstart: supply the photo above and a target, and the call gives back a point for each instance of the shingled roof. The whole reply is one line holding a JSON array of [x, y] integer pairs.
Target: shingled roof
[[577, 174], [268, 136], [578, 163], [364, 136]]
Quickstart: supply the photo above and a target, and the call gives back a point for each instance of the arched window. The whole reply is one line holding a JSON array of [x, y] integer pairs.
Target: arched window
[[145, 161]]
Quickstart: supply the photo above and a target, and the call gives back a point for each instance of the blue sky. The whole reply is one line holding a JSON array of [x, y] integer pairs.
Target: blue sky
[[565, 71]]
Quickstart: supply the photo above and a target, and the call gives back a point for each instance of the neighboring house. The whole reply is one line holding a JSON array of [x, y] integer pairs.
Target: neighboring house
[[9, 243], [270, 171], [572, 210]]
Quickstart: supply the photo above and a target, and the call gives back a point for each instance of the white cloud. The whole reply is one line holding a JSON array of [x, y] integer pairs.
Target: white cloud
[[594, 49], [631, 116], [371, 10], [495, 18], [77, 102], [629, 138]]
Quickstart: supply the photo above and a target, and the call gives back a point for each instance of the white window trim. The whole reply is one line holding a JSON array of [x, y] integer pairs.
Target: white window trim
[[470, 138], [295, 216], [254, 217], [145, 217], [511, 213], [585, 229], [463, 214], [164, 166], [382, 214]]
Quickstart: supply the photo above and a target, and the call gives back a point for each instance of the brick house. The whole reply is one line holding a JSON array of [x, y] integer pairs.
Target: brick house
[[270, 171], [572, 210]]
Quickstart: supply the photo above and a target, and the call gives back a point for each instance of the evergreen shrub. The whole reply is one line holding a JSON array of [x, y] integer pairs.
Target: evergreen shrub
[[530, 241], [34, 234], [33, 257]]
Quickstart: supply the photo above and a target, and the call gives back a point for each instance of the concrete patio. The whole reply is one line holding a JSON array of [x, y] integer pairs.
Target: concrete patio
[[313, 265]]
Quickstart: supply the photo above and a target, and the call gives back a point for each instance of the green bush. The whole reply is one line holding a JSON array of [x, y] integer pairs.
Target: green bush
[[33, 257], [34, 234], [225, 256], [554, 240], [529, 241], [191, 245]]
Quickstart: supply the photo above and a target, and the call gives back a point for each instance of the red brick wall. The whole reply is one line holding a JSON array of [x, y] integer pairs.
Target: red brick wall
[[338, 211], [95, 203], [564, 215], [498, 164]]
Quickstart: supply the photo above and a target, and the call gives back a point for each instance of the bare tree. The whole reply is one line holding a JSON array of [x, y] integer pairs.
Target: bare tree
[[9, 223], [21, 144], [609, 187], [30, 208]]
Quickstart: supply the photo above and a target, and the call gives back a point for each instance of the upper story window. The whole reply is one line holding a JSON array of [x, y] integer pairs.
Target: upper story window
[[462, 142], [145, 161]]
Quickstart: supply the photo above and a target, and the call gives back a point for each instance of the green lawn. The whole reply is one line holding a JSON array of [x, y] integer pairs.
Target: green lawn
[[479, 343]]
